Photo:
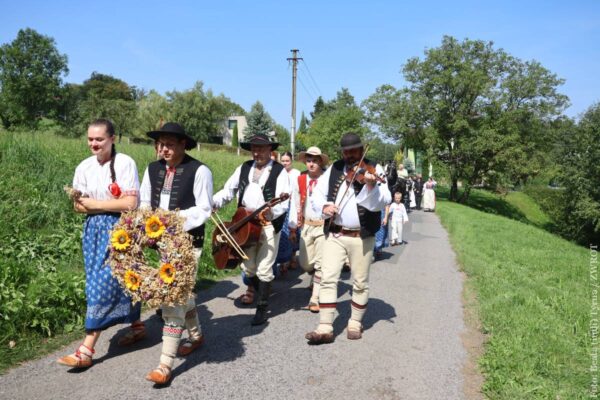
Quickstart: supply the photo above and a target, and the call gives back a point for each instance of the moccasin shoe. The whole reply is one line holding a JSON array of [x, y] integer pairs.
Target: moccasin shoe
[[160, 375], [187, 346], [315, 337], [354, 334]]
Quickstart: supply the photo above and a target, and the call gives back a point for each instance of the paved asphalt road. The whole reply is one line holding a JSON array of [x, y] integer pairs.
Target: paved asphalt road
[[411, 347]]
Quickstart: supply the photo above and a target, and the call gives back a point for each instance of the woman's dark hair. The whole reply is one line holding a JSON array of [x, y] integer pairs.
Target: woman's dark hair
[[287, 153], [110, 129]]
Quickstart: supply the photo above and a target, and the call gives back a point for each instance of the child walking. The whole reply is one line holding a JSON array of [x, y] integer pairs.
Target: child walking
[[398, 217]]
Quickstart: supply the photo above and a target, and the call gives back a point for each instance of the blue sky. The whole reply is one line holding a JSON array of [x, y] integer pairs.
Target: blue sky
[[239, 48]]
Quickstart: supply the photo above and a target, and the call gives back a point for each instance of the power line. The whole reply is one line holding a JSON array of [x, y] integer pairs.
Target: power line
[[311, 77], [306, 89]]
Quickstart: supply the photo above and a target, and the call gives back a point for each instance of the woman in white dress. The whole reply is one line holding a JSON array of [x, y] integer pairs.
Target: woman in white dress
[[429, 195]]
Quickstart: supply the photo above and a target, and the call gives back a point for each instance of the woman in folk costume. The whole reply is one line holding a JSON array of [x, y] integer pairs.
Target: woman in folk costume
[[429, 195], [288, 245], [398, 217], [105, 184], [413, 199], [310, 221]]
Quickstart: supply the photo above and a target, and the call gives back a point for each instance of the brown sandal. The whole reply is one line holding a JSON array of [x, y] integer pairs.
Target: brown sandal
[[187, 346], [248, 297], [82, 358], [136, 333]]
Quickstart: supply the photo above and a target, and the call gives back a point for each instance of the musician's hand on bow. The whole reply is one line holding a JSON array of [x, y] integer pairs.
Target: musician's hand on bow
[[330, 209], [370, 179]]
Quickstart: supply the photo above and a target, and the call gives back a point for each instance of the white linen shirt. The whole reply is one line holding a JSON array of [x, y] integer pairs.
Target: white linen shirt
[[253, 196], [347, 216], [398, 212], [203, 190], [309, 211], [93, 178]]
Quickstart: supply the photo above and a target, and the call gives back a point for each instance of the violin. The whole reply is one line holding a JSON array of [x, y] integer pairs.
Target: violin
[[244, 229], [358, 171]]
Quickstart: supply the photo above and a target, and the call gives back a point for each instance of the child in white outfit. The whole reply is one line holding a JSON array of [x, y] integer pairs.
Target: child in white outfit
[[398, 217]]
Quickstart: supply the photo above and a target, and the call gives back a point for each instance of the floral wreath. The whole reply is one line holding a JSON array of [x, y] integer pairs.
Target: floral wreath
[[173, 282]]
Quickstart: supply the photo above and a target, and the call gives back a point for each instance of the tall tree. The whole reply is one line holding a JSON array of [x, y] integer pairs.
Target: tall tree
[[303, 127], [259, 121], [152, 108], [235, 139], [579, 161], [31, 71], [338, 116], [477, 109]]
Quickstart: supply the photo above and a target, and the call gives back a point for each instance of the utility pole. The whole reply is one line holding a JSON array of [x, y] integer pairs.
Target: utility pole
[[294, 59]]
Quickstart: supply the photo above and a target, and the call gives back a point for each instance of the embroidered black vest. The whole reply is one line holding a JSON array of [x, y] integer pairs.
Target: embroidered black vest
[[370, 221], [182, 191], [268, 190]]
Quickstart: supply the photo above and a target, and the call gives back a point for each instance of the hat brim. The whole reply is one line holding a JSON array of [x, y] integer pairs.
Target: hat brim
[[190, 142], [248, 145], [352, 146], [324, 158]]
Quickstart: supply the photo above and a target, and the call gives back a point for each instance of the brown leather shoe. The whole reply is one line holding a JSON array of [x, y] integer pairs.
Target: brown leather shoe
[[160, 375], [315, 337], [187, 346], [354, 334]]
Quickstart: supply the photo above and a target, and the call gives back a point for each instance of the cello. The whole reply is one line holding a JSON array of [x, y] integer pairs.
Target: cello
[[244, 229]]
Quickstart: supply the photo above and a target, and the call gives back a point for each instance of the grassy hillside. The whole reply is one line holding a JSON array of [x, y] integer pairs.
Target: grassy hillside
[[534, 295], [41, 273]]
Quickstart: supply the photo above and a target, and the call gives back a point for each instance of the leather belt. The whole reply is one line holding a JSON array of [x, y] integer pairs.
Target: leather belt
[[340, 230], [313, 222]]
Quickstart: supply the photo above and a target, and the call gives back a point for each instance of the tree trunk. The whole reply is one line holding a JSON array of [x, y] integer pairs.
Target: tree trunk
[[465, 195], [454, 189]]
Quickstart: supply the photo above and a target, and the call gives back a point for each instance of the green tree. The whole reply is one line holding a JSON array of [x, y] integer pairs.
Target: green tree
[[336, 117], [152, 109], [31, 71], [579, 159], [478, 110], [303, 126], [318, 108], [259, 121], [202, 113], [235, 139], [100, 96], [283, 137]]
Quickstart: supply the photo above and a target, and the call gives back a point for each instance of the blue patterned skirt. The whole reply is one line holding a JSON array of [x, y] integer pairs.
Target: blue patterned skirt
[[381, 235], [107, 304], [284, 253]]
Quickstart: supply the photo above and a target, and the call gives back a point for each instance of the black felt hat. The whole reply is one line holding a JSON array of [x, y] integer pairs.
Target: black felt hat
[[259, 139], [350, 141], [174, 129]]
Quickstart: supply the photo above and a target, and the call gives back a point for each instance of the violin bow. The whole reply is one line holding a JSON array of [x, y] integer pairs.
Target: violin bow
[[227, 235], [366, 148]]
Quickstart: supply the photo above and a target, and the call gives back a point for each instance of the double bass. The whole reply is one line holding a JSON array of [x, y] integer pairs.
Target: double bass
[[244, 229]]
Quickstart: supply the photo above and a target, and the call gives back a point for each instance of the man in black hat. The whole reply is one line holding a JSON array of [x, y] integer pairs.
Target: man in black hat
[[356, 211], [178, 181], [257, 181]]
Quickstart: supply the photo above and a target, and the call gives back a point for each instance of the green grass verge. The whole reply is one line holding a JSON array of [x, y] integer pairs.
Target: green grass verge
[[42, 299], [534, 293]]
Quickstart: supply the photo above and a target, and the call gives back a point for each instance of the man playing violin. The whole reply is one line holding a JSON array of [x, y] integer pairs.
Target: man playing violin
[[352, 201], [257, 181], [302, 215], [178, 181]]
